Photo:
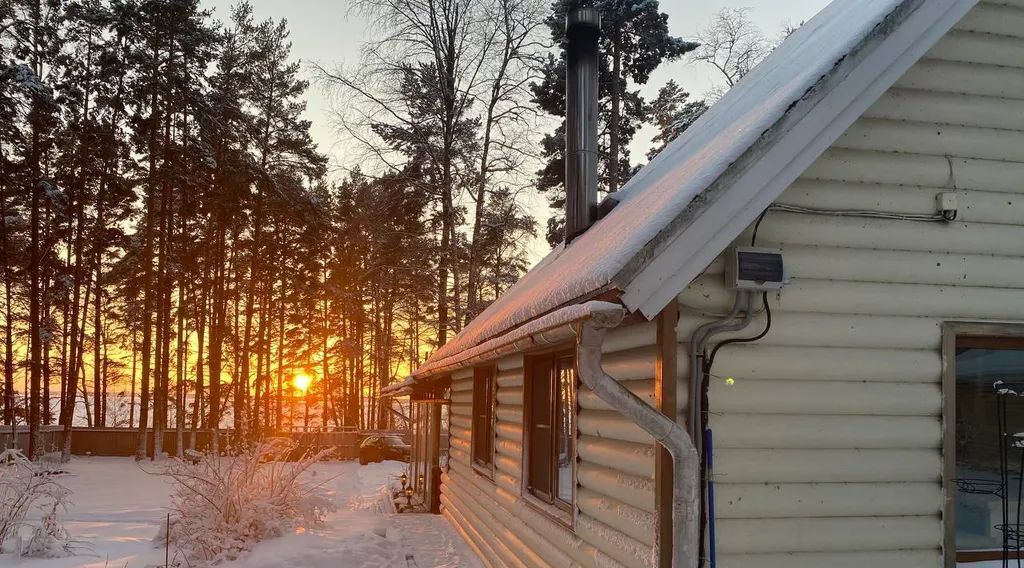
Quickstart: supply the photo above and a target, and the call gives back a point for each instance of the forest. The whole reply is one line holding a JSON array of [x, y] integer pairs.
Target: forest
[[178, 254]]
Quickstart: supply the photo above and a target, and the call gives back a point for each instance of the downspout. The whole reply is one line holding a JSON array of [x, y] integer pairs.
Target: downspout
[[700, 337], [673, 437]]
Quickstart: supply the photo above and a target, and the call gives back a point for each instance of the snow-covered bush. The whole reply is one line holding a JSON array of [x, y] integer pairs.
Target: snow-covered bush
[[24, 486], [222, 505], [49, 538]]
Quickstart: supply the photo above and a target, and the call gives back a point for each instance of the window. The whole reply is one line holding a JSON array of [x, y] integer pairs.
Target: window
[[551, 428], [989, 412], [483, 417]]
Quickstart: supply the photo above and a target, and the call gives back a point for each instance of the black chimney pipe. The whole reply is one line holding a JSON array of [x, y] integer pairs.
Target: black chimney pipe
[[582, 29]]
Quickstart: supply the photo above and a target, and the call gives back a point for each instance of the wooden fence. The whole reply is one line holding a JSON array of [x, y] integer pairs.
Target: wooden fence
[[125, 441]]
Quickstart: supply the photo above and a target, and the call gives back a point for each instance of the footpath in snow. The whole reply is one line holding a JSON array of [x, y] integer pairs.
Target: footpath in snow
[[117, 508]]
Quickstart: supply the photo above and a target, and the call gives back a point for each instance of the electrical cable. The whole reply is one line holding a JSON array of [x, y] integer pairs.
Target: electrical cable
[[705, 312], [757, 225], [868, 213], [941, 217], [767, 326]]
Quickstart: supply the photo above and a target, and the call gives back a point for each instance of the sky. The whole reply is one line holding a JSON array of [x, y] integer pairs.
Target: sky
[[327, 33]]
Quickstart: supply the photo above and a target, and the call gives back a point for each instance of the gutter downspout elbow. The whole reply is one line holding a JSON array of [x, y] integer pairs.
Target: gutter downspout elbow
[[667, 432]]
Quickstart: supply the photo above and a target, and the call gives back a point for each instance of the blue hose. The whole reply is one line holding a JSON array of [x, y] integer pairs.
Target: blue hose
[[709, 452]]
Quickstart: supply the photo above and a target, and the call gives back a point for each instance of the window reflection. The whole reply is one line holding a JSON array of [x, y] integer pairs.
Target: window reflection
[[566, 432], [989, 374], [551, 429]]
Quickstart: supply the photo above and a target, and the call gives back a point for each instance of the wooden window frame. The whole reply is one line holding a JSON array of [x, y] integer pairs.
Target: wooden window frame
[[979, 333], [550, 504], [489, 373]]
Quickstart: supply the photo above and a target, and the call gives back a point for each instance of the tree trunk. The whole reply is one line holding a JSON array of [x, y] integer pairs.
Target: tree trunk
[[216, 334], [163, 287], [614, 122], [182, 354], [197, 401], [5, 260], [147, 286], [97, 342], [242, 378], [279, 415], [135, 366], [35, 309]]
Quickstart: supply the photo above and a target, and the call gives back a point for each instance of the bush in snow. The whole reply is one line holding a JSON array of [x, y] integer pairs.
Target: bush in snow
[[49, 538], [222, 505], [24, 486]]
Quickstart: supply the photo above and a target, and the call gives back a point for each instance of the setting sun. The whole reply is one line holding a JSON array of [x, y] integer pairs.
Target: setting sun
[[302, 382]]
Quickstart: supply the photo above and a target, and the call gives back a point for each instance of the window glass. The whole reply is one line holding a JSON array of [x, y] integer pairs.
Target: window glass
[[483, 412], [989, 374], [566, 433], [445, 430], [541, 390], [551, 428]]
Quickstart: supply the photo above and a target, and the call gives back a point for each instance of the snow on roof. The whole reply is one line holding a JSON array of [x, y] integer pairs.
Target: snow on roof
[[530, 334], [797, 75], [400, 388]]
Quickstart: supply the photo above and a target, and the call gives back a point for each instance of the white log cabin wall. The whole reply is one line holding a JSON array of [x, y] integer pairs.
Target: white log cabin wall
[[828, 443], [615, 522]]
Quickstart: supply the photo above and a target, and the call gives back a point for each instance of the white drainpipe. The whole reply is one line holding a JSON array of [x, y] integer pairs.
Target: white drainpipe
[[668, 433]]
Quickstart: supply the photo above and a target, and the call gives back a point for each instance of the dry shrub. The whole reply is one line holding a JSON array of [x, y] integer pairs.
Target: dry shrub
[[222, 505], [25, 486]]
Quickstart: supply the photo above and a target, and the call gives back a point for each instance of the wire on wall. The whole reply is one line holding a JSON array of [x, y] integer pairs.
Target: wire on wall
[[764, 332], [866, 213]]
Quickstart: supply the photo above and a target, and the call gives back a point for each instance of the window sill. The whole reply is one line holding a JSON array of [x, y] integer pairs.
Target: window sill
[[556, 513], [483, 471]]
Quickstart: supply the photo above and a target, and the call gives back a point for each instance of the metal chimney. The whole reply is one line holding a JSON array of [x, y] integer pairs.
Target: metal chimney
[[582, 29]]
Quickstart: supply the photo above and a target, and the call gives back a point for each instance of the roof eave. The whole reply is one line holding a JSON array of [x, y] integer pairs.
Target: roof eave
[[550, 329]]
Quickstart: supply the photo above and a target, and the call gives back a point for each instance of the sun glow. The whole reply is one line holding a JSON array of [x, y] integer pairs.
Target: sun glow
[[302, 382]]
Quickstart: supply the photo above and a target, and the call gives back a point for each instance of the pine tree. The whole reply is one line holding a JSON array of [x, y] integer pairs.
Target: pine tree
[[282, 148], [672, 112], [634, 42], [224, 130], [171, 54], [80, 170], [35, 27], [13, 200], [151, 165]]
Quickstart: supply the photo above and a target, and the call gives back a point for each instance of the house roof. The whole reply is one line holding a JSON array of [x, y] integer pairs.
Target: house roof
[[691, 201]]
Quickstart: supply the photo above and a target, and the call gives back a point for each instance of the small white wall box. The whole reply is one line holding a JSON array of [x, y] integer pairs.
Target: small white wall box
[[750, 268], [947, 202]]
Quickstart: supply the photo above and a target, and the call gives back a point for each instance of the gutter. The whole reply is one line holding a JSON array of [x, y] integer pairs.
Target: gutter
[[552, 328], [667, 432]]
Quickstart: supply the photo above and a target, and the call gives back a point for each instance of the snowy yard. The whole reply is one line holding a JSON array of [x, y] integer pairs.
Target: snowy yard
[[117, 509]]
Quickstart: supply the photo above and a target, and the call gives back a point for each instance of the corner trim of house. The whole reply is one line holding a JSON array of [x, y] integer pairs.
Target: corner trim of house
[[665, 373]]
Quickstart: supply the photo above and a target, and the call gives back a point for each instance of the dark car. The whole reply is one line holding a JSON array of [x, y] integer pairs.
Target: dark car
[[376, 448]]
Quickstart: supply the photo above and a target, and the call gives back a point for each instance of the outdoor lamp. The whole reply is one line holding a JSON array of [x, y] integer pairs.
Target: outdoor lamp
[[408, 497], [405, 480], [419, 481]]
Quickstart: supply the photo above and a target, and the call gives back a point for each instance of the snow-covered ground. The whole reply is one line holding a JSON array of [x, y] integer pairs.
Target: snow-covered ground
[[117, 508]]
